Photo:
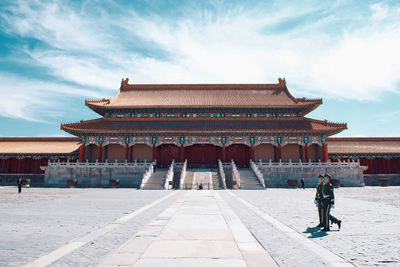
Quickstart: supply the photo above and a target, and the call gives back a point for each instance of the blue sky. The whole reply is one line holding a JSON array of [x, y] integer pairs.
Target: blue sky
[[56, 54]]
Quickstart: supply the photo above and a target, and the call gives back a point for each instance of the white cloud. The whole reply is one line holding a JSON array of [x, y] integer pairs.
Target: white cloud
[[85, 48], [35, 100], [380, 12]]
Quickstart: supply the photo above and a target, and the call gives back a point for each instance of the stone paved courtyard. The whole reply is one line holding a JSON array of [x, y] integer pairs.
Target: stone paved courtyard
[[111, 227]]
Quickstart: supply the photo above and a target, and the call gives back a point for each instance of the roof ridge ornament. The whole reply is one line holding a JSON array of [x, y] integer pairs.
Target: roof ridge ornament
[[282, 82], [124, 82]]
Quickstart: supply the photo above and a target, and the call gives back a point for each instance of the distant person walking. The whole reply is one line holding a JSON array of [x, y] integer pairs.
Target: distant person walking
[[318, 199], [19, 183], [201, 187], [328, 202], [302, 184]]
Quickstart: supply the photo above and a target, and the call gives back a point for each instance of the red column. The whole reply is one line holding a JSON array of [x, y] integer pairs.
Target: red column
[[14, 165], [127, 152], [325, 157], [3, 163], [279, 152], [252, 152], [306, 155], [106, 152], [131, 154], [153, 153], [370, 166], [275, 153], [82, 153], [19, 166], [223, 153], [36, 169], [182, 153], [388, 165], [100, 159], [301, 153]]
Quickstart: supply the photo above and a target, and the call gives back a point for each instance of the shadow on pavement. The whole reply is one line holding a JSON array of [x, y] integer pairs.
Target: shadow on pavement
[[315, 232]]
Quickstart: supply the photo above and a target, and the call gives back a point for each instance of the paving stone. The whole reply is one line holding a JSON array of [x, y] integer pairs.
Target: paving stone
[[190, 262]]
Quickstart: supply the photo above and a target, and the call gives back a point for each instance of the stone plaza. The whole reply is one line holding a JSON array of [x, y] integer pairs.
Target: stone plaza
[[129, 227]]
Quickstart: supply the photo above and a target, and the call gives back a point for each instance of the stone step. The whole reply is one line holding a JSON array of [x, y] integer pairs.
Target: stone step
[[215, 180], [156, 180], [248, 180]]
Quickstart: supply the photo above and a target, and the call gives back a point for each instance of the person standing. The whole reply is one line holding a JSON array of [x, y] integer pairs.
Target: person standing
[[318, 199], [19, 183], [328, 202], [302, 184]]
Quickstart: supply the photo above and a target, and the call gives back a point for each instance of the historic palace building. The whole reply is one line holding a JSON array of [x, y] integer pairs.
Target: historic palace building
[[203, 123]]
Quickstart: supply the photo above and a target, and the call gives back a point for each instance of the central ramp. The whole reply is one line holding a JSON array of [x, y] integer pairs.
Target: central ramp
[[209, 178], [202, 178]]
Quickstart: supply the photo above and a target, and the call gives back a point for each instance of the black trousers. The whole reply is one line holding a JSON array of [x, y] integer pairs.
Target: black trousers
[[320, 212], [326, 209]]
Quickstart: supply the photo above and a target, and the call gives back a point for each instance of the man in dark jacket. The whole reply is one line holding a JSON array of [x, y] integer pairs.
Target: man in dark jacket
[[328, 202], [19, 183], [318, 199]]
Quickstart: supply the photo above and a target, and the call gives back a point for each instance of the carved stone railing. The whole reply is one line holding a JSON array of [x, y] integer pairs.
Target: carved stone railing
[[257, 172], [291, 164], [279, 174], [222, 174], [170, 176], [147, 175], [235, 174], [183, 175], [106, 164]]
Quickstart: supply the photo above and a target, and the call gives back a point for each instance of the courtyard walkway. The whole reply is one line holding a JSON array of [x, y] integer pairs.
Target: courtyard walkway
[[125, 227]]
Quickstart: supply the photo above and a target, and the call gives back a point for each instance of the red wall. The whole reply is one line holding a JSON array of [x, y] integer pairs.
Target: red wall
[[240, 155], [205, 156], [165, 154]]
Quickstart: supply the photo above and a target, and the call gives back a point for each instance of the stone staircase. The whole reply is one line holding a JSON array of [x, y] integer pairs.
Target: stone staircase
[[188, 182], [248, 180], [215, 180], [228, 177], [156, 180]]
